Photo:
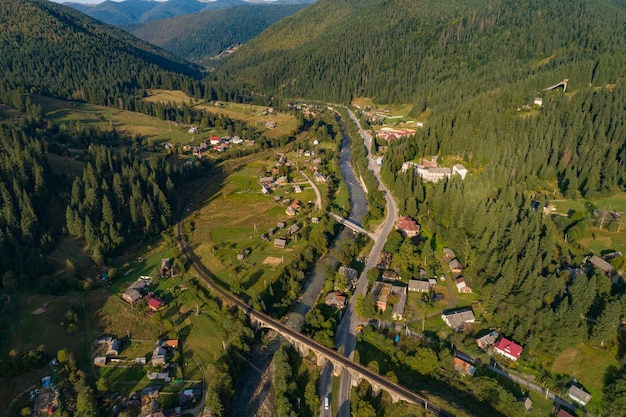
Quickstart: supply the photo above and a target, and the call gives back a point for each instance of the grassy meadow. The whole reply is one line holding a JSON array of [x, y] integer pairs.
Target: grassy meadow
[[233, 218], [591, 375]]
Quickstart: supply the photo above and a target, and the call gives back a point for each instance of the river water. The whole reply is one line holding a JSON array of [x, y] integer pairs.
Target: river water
[[254, 387]]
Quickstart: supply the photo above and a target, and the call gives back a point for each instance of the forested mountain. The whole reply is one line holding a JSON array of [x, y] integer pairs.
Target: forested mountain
[[58, 51], [142, 11], [199, 36], [430, 52]]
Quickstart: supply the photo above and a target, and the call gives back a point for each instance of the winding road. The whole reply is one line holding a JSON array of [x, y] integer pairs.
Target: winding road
[[346, 332]]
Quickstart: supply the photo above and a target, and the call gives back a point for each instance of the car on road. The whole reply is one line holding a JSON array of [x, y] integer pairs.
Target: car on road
[[327, 402]]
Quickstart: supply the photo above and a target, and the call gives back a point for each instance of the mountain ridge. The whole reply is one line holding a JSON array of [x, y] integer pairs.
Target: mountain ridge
[[398, 50], [200, 36], [53, 49], [142, 11]]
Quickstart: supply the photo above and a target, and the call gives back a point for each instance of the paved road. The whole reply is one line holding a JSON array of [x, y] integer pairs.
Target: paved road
[[318, 195], [346, 332]]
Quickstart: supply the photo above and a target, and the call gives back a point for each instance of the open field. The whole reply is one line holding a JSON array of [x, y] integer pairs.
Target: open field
[[604, 241], [616, 202], [170, 96], [591, 375], [253, 115], [106, 118], [157, 130], [223, 230]]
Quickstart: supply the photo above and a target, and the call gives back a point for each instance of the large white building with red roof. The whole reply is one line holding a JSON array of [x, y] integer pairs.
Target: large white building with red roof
[[508, 348]]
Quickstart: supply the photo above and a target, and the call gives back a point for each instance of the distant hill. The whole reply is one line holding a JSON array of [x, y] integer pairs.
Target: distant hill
[[429, 51], [53, 49], [141, 11], [199, 36]]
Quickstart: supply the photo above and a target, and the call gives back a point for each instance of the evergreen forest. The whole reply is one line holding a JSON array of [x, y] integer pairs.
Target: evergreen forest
[[434, 54], [200, 37]]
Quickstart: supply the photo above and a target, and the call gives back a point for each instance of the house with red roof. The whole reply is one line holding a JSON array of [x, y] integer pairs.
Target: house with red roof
[[156, 303], [508, 349], [407, 226]]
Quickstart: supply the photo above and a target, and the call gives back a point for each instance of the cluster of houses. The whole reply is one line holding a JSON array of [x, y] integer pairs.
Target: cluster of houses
[[389, 134], [430, 171], [456, 269], [337, 298], [109, 346], [281, 242], [216, 143], [139, 289]]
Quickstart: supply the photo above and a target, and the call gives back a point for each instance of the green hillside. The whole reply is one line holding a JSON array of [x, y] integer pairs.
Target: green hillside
[[199, 36], [429, 52], [55, 50]]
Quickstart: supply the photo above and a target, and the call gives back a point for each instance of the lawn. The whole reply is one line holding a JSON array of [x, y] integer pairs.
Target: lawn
[[602, 241], [588, 366]]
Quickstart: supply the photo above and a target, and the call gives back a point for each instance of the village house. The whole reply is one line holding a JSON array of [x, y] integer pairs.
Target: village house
[[266, 181], [293, 229], [390, 275], [350, 273], [280, 243], [487, 340], [100, 361], [280, 225], [458, 319], [601, 264], [407, 226], [461, 286], [335, 299], [579, 395], [135, 292], [385, 260], [159, 356], [270, 125], [265, 190], [111, 343], [290, 211], [416, 285], [166, 267], [564, 413], [398, 308], [215, 140], [319, 177], [455, 266], [155, 303], [508, 349], [448, 254], [381, 292], [464, 364]]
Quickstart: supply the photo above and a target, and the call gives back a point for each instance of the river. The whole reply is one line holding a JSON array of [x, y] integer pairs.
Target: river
[[254, 387]]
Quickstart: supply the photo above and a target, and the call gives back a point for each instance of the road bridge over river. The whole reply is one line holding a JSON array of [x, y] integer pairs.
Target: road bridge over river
[[352, 226]]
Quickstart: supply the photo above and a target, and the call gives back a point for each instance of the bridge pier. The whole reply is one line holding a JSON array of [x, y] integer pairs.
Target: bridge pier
[[337, 368]]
